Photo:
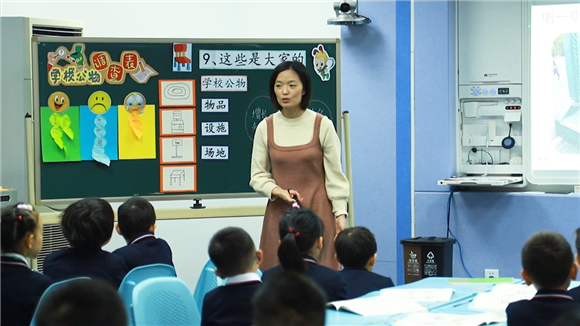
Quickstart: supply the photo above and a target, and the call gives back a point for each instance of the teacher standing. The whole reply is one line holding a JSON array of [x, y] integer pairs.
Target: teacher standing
[[297, 153]]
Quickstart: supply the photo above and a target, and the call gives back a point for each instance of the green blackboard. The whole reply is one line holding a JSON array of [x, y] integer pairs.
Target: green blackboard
[[192, 135]]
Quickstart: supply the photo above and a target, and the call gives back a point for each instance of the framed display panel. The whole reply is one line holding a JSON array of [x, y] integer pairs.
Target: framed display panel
[[111, 115]]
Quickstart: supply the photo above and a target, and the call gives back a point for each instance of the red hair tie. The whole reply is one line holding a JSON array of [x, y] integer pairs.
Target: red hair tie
[[20, 217], [294, 232]]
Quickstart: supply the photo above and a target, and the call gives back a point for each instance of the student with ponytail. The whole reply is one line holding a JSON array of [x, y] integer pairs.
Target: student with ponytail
[[21, 287], [301, 244]]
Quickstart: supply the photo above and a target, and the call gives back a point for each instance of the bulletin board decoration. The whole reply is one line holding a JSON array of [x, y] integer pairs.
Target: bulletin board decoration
[[124, 117]]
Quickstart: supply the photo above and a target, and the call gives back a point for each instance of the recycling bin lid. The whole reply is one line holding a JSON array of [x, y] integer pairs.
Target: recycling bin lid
[[428, 241]]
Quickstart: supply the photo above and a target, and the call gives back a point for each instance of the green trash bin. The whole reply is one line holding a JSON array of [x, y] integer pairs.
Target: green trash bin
[[427, 256]]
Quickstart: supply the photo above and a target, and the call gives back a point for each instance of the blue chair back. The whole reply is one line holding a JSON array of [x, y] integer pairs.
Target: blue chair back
[[136, 276], [164, 301], [51, 288], [207, 281]]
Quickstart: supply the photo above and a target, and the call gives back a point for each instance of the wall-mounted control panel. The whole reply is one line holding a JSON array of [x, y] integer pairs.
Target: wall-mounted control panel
[[490, 131], [490, 106]]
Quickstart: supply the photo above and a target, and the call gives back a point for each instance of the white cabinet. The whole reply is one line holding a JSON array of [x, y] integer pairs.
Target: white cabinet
[[490, 35], [16, 92]]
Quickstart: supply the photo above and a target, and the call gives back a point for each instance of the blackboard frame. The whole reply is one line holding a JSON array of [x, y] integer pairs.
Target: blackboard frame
[[40, 167]]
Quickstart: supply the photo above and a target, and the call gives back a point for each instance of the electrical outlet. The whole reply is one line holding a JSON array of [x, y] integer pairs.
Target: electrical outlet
[[491, 273]]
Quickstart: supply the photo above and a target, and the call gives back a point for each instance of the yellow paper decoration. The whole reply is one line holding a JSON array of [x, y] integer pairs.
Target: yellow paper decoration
[[136, 124]]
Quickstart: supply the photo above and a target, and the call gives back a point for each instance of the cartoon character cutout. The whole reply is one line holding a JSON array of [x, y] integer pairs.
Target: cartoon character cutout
[[54, 57], [75, 56], [323, 63], [135, 105], [59, 102], [99, 103]]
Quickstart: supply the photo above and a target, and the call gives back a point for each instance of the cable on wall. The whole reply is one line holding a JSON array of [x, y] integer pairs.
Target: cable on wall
[[452, 235]]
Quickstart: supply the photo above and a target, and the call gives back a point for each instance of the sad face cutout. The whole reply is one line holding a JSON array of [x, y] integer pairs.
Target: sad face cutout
[[99, 102], [58, 102], [135, 103]]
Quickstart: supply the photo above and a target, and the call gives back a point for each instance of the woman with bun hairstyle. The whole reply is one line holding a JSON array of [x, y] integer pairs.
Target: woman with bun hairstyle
[[296, 155]]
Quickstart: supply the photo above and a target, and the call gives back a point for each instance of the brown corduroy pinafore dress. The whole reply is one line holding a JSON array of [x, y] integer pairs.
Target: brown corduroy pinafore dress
[[300, 168]]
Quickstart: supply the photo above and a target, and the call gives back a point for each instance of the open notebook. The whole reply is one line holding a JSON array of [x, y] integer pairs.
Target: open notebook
[[377, 306], [446, 319], [424, 295], [501, 296]]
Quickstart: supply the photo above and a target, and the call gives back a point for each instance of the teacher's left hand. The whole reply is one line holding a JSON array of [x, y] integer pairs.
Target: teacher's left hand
[[340, 223]]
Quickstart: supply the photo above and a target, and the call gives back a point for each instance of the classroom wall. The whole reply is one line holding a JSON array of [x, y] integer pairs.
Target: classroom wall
[[188, 19], [369, 88], [490, 226]]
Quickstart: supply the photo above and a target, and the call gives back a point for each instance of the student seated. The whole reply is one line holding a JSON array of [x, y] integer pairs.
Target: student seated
[[569, 318], [300, 246], [289, 299], [548, 264], [575, 292], [87, 225], [356, 250], [82, 302], [21, 287], [136, 223], [235, 257]]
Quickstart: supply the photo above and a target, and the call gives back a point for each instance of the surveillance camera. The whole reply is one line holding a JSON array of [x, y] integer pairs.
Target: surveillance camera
[[345, 7], [346, 14]]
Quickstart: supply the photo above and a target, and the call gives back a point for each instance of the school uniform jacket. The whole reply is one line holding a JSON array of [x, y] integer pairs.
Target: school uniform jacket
[[231, 304], [543, 309], [575, 293], [329, 280], [145, 249], [70, 262], [21, 290], [359, 281]]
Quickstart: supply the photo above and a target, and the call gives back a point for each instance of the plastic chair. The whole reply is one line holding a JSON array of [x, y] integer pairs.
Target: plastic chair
[[51, 288], [164, 301], [137, 275], [207, 281]]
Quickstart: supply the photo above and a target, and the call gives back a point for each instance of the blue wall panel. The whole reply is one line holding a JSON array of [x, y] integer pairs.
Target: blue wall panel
[[368, 92]]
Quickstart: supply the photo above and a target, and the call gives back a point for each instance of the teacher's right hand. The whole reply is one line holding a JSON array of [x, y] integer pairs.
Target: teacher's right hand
[[286, 195]]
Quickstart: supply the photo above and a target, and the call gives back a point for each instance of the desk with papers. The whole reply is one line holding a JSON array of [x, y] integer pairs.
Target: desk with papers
[[445, 301]]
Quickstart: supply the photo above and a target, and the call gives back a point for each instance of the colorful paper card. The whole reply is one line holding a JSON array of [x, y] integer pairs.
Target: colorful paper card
[[173, 150], [137, 133], [98, 133], [178, 178], [179, 92], [60, 135]]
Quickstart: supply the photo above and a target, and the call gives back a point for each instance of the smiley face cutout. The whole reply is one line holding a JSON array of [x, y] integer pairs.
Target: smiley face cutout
[[135, 102], [58, 102], [99, 102]]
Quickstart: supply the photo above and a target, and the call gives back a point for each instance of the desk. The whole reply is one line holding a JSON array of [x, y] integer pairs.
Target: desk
[[458, 304]]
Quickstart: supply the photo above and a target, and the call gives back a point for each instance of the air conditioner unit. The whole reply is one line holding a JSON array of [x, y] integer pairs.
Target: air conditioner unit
[[16, 94]]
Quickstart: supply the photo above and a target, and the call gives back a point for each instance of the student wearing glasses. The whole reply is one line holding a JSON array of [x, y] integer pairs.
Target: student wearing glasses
[[21, 287]]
